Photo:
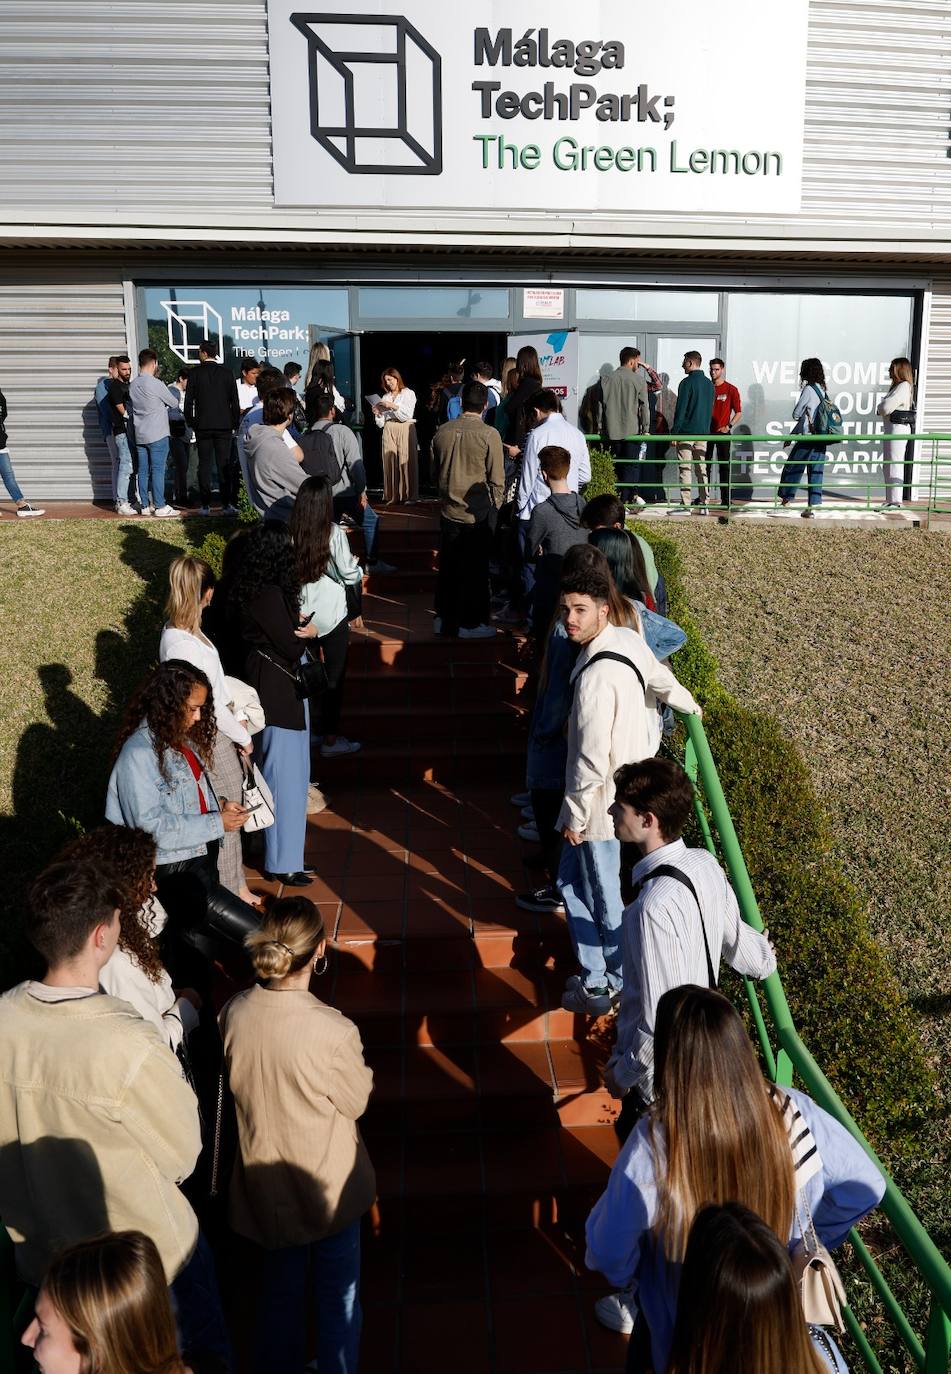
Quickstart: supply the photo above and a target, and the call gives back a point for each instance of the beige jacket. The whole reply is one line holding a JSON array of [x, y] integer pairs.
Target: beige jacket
[[97, 1128], [300, 1084], [612, 721]]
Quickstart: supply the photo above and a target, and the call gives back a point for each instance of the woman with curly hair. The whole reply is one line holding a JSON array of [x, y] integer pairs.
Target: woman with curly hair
[[159, 784], [326, 567], [135, 972], [266, 595], [191, 585], [104, 1309]]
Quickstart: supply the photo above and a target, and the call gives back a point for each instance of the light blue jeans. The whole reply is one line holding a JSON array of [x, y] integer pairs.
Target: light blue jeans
[[124, 469], [589, 880], [334, 1270], [9, 480], [283, 756], [152, 460]]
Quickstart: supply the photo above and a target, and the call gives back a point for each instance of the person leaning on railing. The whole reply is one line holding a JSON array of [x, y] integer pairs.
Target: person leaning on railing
[[717, 1132], [897, 409]]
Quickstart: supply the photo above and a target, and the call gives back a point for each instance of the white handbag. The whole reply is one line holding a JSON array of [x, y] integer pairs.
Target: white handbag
[[256, 793], [246, 704]]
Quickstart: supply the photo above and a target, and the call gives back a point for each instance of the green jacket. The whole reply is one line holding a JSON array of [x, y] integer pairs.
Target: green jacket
[[626, 411], [694, 411]]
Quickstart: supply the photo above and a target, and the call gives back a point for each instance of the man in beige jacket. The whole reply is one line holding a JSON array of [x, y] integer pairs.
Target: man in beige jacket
[[616, 685], [97, 1125]]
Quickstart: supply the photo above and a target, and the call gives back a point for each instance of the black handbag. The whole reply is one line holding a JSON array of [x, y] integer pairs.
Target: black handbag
[[310, 679], [353, 591], [902, 417]]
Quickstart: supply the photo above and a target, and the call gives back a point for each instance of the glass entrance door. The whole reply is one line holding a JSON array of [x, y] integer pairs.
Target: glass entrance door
[[665, 353]]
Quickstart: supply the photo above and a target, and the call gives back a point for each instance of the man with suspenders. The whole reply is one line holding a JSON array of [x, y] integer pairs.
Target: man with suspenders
[[616, 685]]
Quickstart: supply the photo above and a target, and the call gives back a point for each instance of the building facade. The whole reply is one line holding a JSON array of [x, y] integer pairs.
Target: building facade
[[247, 171]]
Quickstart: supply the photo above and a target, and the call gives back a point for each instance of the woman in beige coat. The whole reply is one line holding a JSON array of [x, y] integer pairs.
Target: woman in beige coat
[[303, 1178]]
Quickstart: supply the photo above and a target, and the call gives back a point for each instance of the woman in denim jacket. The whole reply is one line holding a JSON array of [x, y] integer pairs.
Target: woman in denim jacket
[[159, 784]]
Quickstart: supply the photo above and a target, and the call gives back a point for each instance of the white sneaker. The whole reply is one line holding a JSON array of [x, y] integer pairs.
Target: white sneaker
[[679, 510], [225, 510], [617, 1311], [521, 799], [338, 750], [26, 511], [635, 503], [527, 813], [528, 832], [124, 508], [165, 513], [478, 632], [316, 801]]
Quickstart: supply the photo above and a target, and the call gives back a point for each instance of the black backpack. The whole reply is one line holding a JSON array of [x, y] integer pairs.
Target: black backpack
[[320, 456]]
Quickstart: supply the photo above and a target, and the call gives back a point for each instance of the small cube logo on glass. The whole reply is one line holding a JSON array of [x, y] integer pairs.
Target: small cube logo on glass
[[375, 93]]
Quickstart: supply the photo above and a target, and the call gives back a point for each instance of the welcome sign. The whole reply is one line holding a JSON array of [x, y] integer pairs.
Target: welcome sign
[[574, 109]]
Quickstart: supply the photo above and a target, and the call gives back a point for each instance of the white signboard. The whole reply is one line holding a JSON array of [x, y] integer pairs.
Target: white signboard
[[543, 303], [558, 355], [570, 109]]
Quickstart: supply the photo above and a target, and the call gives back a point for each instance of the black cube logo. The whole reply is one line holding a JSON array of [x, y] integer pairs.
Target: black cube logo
[[375, 93]]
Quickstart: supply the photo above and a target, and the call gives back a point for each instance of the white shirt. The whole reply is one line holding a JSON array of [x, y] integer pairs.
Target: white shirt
[[203, 654], [247, 395], [121, 976], [663, 947], [899, 398], [404, 409], [532, 487], [612, 721]]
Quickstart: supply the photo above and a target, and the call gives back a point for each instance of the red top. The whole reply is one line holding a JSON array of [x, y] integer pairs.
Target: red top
[[197, 771], [726, 400]]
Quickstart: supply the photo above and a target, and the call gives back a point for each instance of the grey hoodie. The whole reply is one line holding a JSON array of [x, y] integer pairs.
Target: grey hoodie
[[275, 471]]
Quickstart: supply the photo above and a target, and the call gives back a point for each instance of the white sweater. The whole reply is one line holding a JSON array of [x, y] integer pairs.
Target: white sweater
[[202, 653], [899, 398], [612, 722], [121, 976]]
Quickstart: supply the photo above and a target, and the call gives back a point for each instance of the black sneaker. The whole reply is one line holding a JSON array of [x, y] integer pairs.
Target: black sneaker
[[542, 899]]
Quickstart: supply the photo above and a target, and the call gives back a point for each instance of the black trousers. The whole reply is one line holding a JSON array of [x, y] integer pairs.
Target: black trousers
[[178, 453], [462, 585], [546, 803], [214, 445], [628, 467], [727, 477], [329, 704], [200, 912]]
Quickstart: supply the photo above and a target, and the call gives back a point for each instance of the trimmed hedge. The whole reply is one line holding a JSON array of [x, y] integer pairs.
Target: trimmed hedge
[[845, 1002], [602, 475]]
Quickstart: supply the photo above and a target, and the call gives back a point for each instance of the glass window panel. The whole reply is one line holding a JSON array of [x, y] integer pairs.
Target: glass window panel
[[855, 337], [597, 357], [433, 303], [673, 307], [278, 324]]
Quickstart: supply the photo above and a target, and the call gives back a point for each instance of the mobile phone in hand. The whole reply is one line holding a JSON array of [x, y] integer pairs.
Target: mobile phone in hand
[[306, 619]]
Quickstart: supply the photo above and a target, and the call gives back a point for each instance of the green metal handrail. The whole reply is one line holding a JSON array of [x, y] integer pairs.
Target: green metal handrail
[[933, 473], [790, 1055]]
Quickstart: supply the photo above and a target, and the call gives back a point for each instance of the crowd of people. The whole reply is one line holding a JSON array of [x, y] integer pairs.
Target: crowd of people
[[118, 1068]]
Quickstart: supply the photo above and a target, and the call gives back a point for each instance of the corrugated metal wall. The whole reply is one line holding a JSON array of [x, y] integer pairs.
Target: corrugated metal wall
[[54, 342], [937, 416], [158, 112]]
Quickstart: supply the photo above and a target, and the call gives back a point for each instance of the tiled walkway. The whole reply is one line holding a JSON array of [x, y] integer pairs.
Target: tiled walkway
[[489, 1131]]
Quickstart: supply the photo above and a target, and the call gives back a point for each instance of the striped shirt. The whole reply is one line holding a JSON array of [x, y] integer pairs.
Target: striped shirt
[[662, 948]]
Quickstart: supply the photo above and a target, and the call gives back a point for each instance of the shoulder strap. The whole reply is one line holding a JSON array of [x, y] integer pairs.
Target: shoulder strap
[[615, 658], [669, 871]]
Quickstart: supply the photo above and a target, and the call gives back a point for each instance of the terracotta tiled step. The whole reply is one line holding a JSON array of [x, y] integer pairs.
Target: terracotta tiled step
[[402, 582], [394, 643], [446, 720], [463, 684], [405, 557], [442, 761]]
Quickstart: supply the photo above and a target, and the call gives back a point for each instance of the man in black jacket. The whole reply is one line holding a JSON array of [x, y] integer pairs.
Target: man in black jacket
[[213, 412]]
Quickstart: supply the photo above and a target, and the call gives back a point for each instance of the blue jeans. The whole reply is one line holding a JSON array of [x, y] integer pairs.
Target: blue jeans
[[152, 460], [801, 457], [197, 1306], [6, 473], [124, 472], [283, 756], [589, 880], [334, 1265]]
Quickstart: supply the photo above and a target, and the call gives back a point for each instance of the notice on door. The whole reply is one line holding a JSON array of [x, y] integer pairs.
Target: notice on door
[[572, 110], [543, 303]]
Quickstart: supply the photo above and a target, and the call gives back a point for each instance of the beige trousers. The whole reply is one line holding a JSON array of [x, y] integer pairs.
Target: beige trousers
[[400, 465], [692, 456], [226, 777]]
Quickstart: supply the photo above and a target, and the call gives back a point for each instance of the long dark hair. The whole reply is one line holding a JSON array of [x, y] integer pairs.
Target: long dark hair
[[739, 1306], [811, 370], [267, 561], [161, 702], [311, 526], [527, 363], [625, 561]]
